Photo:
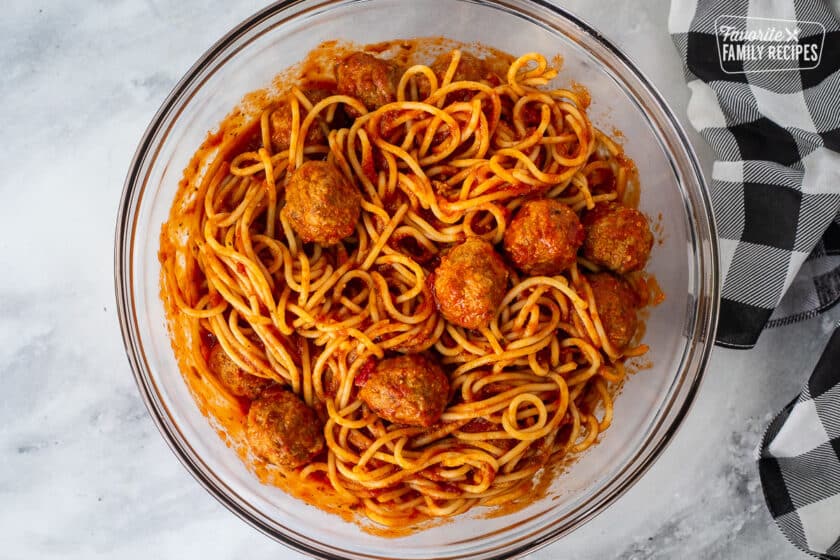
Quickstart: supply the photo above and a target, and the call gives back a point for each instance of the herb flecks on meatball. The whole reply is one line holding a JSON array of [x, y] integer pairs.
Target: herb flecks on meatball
[[544, 237], [283, 430], [237, 380], [410, 389], [617, 237], [616, 302], [321, 204], [371, 80], [280, 123], [470, 283]]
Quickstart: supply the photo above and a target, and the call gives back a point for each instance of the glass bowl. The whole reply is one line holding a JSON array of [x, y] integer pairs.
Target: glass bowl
[[679, 331]]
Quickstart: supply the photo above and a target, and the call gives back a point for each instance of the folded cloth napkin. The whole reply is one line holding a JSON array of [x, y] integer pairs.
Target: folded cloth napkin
[[773, 122], [800, 461], [776, 136]]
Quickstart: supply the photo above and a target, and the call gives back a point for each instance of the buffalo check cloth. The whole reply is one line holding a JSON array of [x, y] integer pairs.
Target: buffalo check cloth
[[775, 130]]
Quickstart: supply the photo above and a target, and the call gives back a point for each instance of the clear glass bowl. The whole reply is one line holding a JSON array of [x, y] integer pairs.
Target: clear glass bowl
[[679, 331]]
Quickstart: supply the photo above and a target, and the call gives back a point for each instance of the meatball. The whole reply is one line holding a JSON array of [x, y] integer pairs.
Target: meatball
[[280, 123], [470, 283], [238, 381], [371, 80], [617, 237], [470, 68], [283, 430], [543, 237], [616, 302], [321, 204], [409, 389]]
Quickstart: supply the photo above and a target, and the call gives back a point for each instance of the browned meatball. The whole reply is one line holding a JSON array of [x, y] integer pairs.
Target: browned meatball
[[616, 302], [321, 204], [238, 381], [470, 283], [280, 122], [543, 237], [469, 68], [283, 430], [371, 80], [617, 237], [410, 389]]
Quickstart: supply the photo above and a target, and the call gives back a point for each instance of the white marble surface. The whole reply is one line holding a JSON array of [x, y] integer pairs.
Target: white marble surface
[[83, 471]]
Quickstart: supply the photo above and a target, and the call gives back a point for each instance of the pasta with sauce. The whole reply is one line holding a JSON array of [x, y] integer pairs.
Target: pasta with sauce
[[410, 288]]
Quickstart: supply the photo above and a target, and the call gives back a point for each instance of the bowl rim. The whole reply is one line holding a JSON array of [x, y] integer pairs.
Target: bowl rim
[[708, 299]]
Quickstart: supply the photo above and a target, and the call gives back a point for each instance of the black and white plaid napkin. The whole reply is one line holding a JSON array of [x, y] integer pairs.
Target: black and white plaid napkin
[[799, 464], [776, 178], [773, 122]]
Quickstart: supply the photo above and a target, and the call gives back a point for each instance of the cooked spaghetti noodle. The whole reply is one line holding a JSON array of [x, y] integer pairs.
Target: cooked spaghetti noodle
[[446, 161]]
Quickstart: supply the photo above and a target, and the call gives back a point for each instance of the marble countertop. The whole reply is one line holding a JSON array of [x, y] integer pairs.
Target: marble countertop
[[83, 471]]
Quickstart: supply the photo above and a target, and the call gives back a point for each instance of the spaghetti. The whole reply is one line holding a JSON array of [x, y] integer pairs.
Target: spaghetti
[[450, 160]]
